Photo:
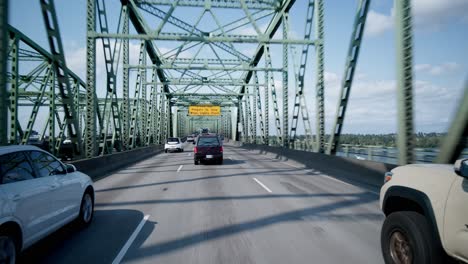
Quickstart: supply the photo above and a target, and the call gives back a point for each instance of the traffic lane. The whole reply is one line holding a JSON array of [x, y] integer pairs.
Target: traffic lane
[[357, 221], [223, 216], [111, 227], [98, 243]]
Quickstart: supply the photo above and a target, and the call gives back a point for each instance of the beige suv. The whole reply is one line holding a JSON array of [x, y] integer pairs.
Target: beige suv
[[426, 209]]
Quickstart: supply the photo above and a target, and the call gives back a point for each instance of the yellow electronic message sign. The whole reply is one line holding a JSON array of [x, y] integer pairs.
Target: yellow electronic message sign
[[204, 110]]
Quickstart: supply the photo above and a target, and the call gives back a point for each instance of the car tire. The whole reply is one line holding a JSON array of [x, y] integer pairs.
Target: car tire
[[8, 249], [407, 236], [195, 162], [86, 210], [220, 161], [165, 150]]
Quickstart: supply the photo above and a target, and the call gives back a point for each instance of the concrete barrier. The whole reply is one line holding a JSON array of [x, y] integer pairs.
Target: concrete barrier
[[364, 172], [101, 166]]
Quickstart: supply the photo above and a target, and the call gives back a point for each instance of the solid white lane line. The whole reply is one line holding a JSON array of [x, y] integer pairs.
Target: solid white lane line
[[127, 245], [263, 185], [180, 167]]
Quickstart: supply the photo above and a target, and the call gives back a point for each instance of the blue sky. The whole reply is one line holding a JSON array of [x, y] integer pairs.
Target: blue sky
[[441, 55]]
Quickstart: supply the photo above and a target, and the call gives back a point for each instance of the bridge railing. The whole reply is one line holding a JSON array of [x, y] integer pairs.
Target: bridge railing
[[370, 152]]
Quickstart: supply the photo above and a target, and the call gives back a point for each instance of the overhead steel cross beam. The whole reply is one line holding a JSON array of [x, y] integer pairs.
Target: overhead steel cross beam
[[194, 32], [251, 4]]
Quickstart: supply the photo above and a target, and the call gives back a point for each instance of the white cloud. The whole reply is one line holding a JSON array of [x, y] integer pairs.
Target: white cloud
[[436, 70], [377, 23], [427, 14]]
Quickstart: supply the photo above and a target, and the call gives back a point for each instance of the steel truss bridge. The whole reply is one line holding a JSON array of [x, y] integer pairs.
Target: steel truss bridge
[[144, 99]]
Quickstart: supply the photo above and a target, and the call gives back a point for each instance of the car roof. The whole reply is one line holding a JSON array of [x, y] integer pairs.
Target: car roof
[[15, 148], [209, 135]]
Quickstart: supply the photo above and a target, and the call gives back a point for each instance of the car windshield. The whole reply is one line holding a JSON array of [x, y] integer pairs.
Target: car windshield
[[172, 140], [208, 141]]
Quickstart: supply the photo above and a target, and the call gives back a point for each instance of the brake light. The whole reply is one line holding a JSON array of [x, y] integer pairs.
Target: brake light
[[221, 149], [195, 150]]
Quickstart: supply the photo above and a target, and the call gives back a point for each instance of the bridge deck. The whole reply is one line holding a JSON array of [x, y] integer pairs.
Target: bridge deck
[[220, 214]]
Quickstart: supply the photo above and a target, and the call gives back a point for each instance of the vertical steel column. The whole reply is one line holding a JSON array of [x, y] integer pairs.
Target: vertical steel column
[[285, 142], [162, 116], [144, 105], [3, 72], [259, 106], [90, 133], [151, 122], [404, 47], [456, 139], [14, 90], [279, 134], [52, 112], [266, 87], [351, 63], [319, 79], [254, 121], [126, 80]]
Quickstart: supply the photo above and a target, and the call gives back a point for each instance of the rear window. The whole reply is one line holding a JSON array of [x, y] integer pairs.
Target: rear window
[[208, 141], [173, 140]]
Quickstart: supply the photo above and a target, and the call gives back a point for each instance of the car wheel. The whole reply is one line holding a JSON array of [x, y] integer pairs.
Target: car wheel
[[406, 237], [195, 162], [7, 249], [165, 150], [86, 209], [182, 150]]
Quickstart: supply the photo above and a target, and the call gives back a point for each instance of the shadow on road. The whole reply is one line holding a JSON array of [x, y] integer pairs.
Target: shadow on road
[[98, 243]]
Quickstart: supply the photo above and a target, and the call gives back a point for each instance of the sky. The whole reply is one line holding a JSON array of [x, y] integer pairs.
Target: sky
[[440, 56]]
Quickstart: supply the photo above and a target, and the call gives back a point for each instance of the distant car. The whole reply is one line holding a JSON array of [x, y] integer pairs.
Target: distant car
[[205, 131], [173, 144], [190, 138], [38, 195], [208, 148]]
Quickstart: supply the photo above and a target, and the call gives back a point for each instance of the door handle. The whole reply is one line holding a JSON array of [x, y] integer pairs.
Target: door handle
[[16, 197]]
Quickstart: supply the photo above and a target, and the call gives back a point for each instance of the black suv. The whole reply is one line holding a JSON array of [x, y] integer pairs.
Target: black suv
[[208, 148]]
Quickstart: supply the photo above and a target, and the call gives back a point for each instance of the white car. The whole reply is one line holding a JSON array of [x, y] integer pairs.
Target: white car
[[173, 144], [426, 209], [38, 195]]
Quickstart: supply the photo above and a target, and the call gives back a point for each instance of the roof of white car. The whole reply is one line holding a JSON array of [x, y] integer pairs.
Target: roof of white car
[[15, 148]]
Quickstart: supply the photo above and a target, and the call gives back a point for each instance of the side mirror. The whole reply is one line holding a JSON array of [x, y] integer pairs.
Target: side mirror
[[70, 168], [461, 167]]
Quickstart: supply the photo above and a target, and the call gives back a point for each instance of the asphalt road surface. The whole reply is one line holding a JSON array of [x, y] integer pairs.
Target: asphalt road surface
[[251, 209]]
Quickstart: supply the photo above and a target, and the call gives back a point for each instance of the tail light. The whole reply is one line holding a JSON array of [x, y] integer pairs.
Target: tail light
[[195, 150], [221, 148]]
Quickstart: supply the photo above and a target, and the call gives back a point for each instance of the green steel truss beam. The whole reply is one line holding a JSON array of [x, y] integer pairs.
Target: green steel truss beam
[[299, 78], [351, 63], [215, 39], [272, 86], [4, 40], [404, 45], [319, 79], [251, 4], [61, 72]]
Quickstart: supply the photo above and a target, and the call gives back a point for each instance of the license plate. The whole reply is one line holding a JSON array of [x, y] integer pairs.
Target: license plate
[[209, 156]]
